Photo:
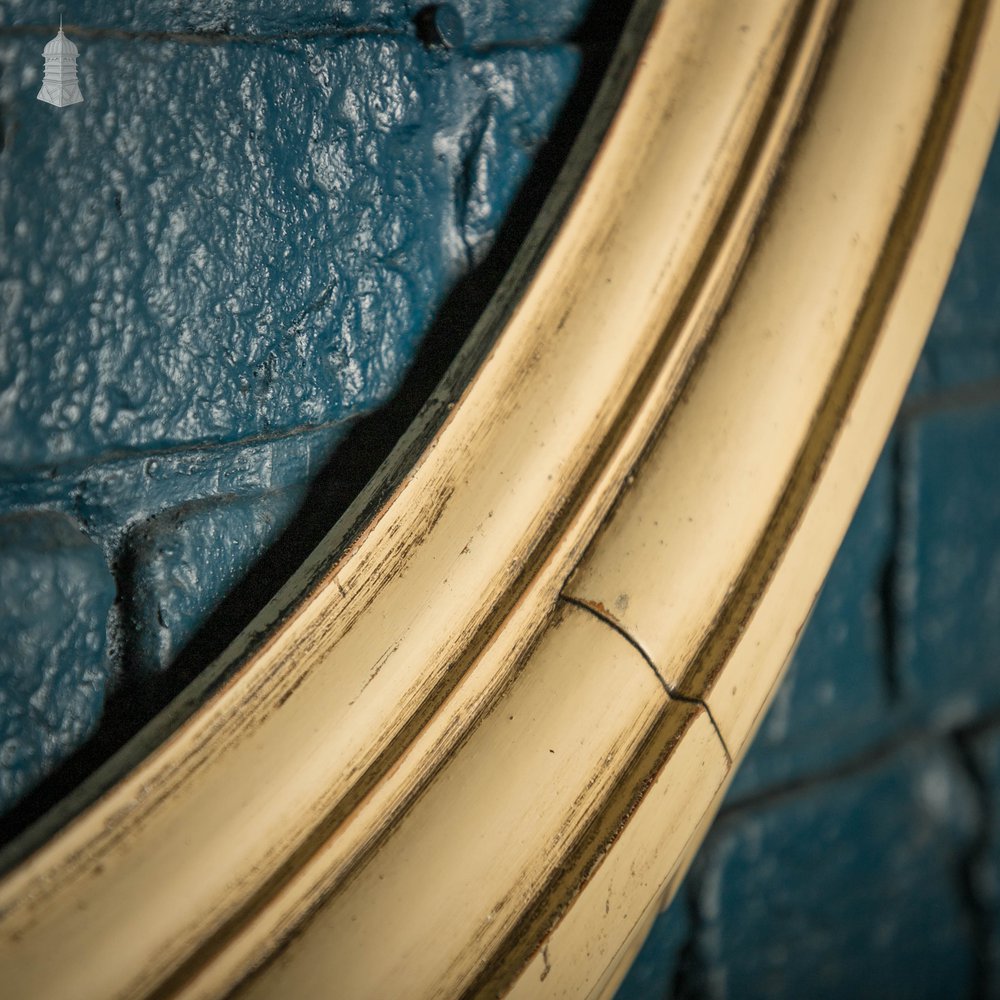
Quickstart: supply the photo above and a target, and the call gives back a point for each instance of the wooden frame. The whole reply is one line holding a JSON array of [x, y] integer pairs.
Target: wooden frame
[[472, 745]]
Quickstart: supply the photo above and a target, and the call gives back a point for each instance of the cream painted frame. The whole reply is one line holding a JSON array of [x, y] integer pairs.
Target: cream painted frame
[[472, 745]]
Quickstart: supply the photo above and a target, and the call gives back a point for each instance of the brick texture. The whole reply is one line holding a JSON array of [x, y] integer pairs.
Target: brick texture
[[217, 263]]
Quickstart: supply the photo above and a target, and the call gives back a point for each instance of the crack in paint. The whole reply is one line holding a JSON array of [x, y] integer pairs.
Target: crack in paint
[[602, 614]]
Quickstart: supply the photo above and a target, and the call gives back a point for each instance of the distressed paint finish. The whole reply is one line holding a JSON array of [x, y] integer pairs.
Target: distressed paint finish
[[434, 702], [892, 694], [229, 252]]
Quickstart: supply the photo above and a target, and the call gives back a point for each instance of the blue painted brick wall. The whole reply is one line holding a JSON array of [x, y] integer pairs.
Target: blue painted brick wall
[[210, 268]]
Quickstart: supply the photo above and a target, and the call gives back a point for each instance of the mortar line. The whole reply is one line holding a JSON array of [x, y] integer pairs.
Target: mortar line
[[194, 37], [219, 37]]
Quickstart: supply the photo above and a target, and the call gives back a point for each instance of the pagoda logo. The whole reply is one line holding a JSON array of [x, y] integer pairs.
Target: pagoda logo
[[59, 85]]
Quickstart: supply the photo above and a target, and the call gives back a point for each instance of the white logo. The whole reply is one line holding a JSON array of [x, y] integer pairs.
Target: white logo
[[59, 86]]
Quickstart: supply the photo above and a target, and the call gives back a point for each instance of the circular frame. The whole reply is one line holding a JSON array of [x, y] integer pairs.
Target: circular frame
[[471, 746]]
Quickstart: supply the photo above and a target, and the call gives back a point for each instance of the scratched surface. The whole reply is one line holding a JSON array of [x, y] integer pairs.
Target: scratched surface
[[228, 253], [858, 852]]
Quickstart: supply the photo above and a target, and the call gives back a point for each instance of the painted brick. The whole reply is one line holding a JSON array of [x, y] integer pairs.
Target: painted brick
[[849, 888], [984, 881], [948, 605], [226, 254], [55, 595], [963, 347], [183, 562], [228, 241]]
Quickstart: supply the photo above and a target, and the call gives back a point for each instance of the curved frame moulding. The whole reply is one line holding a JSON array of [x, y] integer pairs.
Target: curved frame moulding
[[473, 744]]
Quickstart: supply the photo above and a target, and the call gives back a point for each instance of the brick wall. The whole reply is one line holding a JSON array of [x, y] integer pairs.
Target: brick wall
[[214, 265]]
